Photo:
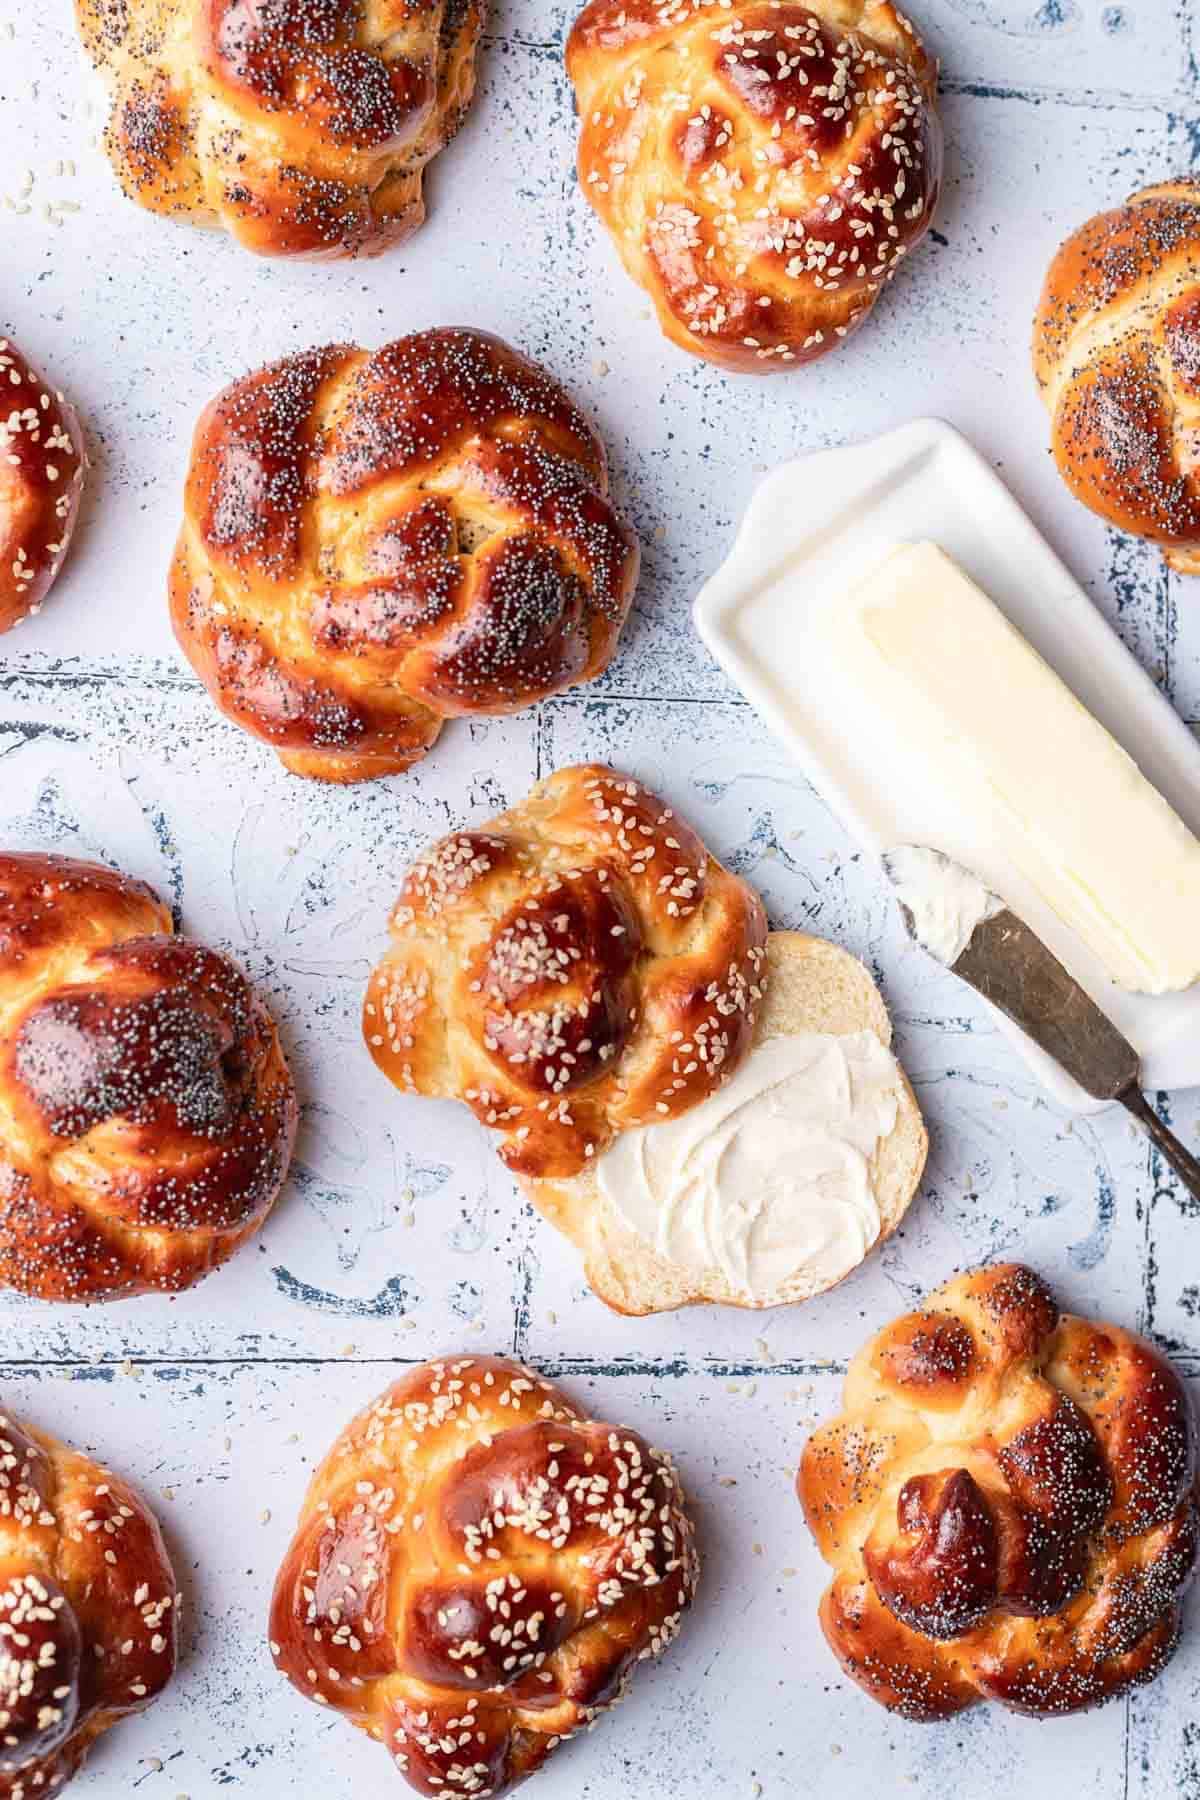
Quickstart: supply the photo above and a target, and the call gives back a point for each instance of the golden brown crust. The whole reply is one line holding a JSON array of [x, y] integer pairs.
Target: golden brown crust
[[303, 129], [88, 1609], [477, 1568], [579, 965], [373, 543], [763, 170], [42, 467], [1009, 1505], [146, 1111], [1117, 355]]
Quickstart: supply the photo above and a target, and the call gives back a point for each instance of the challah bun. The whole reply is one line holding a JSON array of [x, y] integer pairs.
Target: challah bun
[[146, 1110], [1116, 352]]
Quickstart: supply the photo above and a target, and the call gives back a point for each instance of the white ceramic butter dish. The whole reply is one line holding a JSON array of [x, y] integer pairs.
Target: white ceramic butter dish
[[813, 529]]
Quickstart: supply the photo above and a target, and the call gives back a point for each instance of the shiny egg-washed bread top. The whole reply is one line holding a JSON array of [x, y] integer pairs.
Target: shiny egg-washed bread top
[[477, 1568], [88, 1609], [1008, 1501], [1116, 352], [42, 468], [808, 985], [146, 1111], [578, 965], [376, 542], [301, 126], [763, 166]]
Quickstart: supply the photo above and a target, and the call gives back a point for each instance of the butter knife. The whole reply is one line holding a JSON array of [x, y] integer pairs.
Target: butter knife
[[950, 913]]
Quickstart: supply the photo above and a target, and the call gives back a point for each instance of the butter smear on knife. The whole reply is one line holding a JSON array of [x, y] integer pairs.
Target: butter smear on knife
[[946, 672]]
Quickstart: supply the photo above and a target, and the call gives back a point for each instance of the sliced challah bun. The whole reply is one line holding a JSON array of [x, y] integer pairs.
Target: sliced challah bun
[[707, 1110], [810, 986], [579, 966]]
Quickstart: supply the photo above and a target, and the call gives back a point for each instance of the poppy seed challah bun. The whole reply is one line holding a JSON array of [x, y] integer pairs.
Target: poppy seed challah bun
[[1008, 1502], [376, 542], [302, 129], [146, 1110], [1116, 352]]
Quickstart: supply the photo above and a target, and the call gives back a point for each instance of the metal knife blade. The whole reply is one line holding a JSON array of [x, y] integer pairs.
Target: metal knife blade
[[970, 930], [1008, 964]]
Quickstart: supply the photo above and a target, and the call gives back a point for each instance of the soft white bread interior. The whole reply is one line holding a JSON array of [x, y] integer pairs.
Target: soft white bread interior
[[811, 986]]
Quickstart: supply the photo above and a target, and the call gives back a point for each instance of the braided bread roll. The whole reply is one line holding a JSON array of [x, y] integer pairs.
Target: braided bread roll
[[42, 467], [146, 1111], [477, 1569], [579, 965], [1116, 353], [374, 543], [1009, 1505], [302, 129], [763, 168], [88, 1609]]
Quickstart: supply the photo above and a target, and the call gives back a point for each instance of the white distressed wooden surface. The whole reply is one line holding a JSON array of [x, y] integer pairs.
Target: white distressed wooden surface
[[399, 1236]]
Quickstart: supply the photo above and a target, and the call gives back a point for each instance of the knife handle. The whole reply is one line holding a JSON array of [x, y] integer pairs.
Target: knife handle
[[1182, 1161]]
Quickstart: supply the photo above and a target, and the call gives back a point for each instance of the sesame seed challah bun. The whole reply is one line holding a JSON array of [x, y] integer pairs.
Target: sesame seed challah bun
[[478, 1569], [546, 967], [580, 969], [43, 464], [763, 168], [89, 1609]]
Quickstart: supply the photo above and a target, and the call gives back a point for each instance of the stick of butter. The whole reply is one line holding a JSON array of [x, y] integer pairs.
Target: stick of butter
[[1063, 801]]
